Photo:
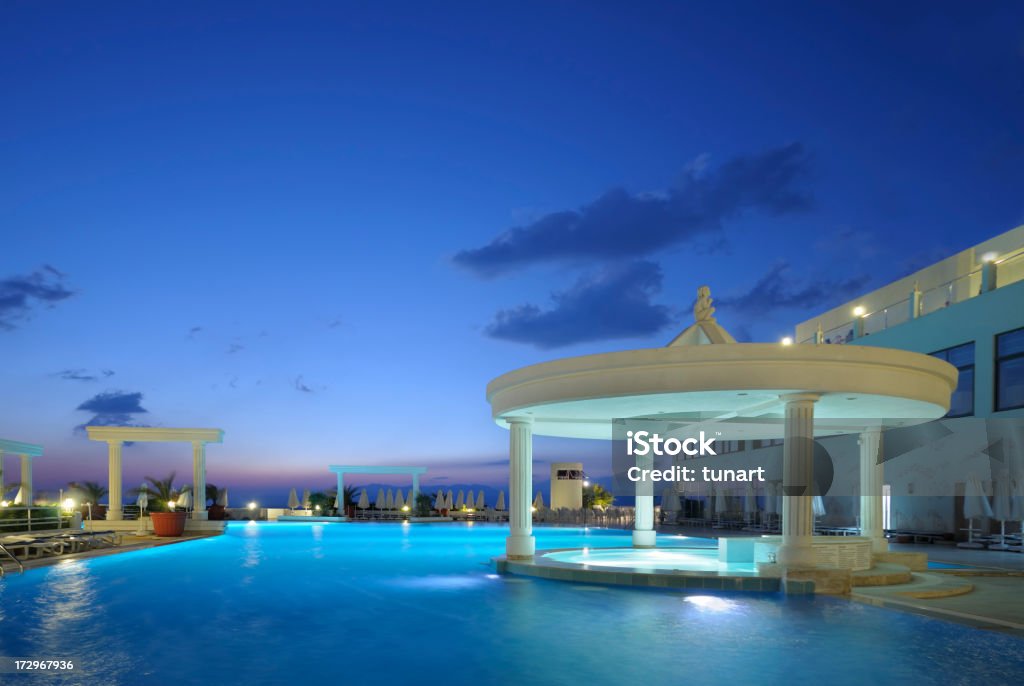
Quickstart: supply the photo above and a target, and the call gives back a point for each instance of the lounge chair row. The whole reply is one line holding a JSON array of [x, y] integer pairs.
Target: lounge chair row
[[38, 545]]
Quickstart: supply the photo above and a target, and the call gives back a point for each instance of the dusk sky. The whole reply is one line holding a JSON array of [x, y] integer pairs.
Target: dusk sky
[[324, 227]]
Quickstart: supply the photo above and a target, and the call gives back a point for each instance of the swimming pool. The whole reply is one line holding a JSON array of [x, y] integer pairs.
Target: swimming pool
[[386, 604]]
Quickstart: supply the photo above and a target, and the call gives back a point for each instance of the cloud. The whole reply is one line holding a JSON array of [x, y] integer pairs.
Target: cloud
[[193, 331], [302, 387], [83, 374], [779, 289], [20, 294], [614, 302], [234, 348], [620, 224], [112, 408]]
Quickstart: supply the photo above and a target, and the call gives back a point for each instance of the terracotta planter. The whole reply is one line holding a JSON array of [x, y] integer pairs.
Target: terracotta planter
[[169, 524]]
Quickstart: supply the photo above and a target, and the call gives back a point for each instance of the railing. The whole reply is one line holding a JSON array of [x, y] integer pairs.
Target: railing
[[7, 554], [44, 518], [1007, 270]]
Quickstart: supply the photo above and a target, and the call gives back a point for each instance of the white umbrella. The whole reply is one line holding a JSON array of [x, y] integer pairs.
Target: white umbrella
[[818, 505], [409, 499], [538, 500], [380, 501], [293, 500], [470, 499], [223, 499], [460, 501], [976, 506], [143, 500], [364, 500], [185, 499], [389, 500], [1017, 502], [20, 496], [337, 501], [769, 499], [749, 502], [480, 500], [399, 500], [500, 505], [305, 498], [439, 501], [449, 499], [669, 500], [1001, 509]]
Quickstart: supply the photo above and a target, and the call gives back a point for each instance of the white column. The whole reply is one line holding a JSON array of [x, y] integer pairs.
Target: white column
[[520, 543], [797, 480], [644, 534], [199, 480], [871, 472], [114, 512], [341, 495], [26, 481]]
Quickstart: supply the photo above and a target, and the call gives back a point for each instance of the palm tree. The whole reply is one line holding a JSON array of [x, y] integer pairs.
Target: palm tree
[[213, 494], [90, 491], [162, 491], [351, 496], [596, 497]]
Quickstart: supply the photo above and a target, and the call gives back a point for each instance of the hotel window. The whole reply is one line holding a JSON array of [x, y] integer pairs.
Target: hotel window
[[961, 404], [726, 447], [1010, 370]]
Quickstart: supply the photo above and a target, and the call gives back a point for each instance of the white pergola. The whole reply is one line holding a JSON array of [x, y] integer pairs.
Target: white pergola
[[705, 374], [115, 438], [342, 470], [27, 452]]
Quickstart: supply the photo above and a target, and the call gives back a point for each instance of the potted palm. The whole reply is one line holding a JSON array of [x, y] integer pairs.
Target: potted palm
[[214, 495], [90, 492], [166, 522]]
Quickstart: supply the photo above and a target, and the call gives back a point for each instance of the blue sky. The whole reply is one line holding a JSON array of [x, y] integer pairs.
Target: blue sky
[[323, 227]]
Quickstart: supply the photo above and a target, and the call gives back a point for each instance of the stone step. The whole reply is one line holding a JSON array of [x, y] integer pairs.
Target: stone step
[[882, 574]]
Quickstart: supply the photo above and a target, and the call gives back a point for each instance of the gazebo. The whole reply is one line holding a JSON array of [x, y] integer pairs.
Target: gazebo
[[794, 392], [116, 436]]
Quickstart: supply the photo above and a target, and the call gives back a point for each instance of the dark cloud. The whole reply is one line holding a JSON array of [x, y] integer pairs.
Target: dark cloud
[[614, 302], [619, 224], [83, 374], [114, 402], [20, 294], [112, 408], [779, 289], [301, 386], [234, 348], [193, 331]]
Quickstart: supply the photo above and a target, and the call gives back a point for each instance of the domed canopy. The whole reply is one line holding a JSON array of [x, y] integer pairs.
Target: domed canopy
[[705, 375]]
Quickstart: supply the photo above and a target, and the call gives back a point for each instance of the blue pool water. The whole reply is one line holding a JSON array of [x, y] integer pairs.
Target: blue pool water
[[384, 604]]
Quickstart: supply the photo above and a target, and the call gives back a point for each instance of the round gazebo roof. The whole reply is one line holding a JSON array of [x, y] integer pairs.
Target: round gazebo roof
[[704, 375]]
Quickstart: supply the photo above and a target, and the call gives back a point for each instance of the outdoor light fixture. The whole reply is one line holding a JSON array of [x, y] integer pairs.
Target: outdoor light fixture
[[4, 503], [405, 508], [317, 508], [859, 311], [171, 505], [533, 508], [989, 257], [252, 506], [786, 340], [69, 504]]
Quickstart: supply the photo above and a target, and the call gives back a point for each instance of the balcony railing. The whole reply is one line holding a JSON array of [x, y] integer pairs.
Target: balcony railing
[[1001, 272]]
